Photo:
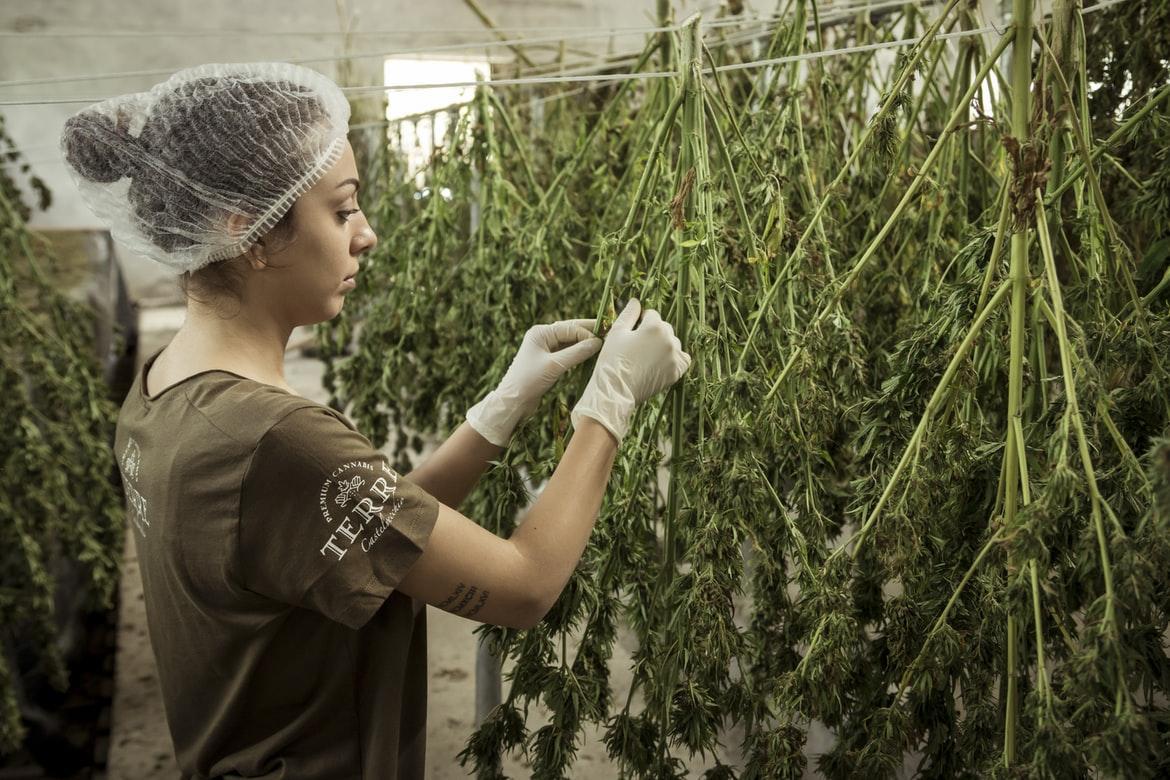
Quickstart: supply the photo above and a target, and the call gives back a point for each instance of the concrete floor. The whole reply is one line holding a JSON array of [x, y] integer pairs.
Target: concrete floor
[[140, 743]]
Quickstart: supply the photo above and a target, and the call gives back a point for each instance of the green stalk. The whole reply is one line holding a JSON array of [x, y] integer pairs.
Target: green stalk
[[646, 129], [932, 406], [486, 175], [653, 272], [1078, 169], [1074, 413], [806, 177], [725, 104], [903, 145], [1033, 567], [967, 52], [919, 50], [690, 53], [1062, 54], [942, 618], [556, 190], [764, 85], [664, 127], [847, 280], [1021, 112], [736, 191], [996, 246], [692, 129], [665, 39], [502, 110], [1119, 264]]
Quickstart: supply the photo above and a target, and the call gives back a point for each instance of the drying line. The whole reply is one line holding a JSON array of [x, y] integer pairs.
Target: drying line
[[1100, 5], [864, 5], [380, 89], [494, 43], [849, 50], [473, 46], [737, 37], [595, 78], [601, 78], [670, 73], [367, 55]]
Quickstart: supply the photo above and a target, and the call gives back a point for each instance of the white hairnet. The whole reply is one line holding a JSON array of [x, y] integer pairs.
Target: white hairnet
[[166, 168]]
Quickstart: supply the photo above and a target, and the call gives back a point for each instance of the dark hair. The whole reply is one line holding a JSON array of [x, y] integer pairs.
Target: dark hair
[[224, 278], [186, 132]]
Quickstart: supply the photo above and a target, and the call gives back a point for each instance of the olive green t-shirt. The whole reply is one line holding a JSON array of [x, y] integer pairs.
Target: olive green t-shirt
[[271, 536]]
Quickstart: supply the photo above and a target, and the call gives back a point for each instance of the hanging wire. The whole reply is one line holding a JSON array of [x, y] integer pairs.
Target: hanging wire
[[611, 77], [362, 92], [736, 37], [1101, 5], [861, 5], [367, 55], [474, 46]]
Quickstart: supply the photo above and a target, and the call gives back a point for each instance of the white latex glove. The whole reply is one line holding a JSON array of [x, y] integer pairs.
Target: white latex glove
[[547, 352], [633, 365]]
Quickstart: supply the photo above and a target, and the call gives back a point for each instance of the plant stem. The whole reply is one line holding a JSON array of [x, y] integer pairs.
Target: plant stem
[[1076, 171], [1020, 114], [556, 190], [692, 128], [996, 246], [932, 406], [502, 110], [736, 191], [690, 57], [919, 50], [663, 128], [847, 280], [1074, 412]]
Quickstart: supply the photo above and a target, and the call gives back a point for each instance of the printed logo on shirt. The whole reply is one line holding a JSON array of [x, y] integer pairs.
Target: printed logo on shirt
[[369, 516], [131, 459], [130, 462]]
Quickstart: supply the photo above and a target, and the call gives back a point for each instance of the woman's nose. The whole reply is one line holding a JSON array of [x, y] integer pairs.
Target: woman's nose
[[366, 239]]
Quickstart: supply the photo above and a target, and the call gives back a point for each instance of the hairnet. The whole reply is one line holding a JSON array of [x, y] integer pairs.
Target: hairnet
[[166, 168]]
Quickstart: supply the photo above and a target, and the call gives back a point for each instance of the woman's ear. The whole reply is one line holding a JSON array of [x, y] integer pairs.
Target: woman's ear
[[255, 255]]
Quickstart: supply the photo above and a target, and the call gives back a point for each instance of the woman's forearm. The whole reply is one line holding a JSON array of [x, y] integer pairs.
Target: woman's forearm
[[554, 531], [452, 471]]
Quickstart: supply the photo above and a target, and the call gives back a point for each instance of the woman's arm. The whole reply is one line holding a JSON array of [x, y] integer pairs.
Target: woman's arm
[[451, 471], [469, 571], [547, 352]]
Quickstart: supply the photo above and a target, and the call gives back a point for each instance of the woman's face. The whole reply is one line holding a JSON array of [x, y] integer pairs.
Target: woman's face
[[307, 281]]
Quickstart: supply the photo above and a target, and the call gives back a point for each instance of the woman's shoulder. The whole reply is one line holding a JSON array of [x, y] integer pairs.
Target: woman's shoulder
[[247, 409]]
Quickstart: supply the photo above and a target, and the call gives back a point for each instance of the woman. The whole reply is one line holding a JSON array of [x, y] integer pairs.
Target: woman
[[285, 566]]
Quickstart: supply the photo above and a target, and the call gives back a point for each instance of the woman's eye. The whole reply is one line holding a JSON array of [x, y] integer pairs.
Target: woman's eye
[[345, 215]]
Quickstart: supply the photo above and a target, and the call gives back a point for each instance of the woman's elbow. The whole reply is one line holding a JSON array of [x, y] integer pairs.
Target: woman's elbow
[[534, 611], [522, 611], [539, 592]]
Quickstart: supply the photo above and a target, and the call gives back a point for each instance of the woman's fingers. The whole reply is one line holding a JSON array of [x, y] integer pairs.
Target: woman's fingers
[[578, 353], [567, 332]]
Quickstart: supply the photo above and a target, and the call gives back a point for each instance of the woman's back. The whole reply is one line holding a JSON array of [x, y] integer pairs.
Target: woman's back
[[270, 536]]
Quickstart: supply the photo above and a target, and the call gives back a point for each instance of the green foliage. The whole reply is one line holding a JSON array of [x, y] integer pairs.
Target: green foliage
[[818, 527], [57, 500]]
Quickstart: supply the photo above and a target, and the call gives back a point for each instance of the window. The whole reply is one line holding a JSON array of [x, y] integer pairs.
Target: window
[[419, 133]]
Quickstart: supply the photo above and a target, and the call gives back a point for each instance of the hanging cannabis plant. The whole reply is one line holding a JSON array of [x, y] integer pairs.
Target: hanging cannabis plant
[[57, 500], [925, 438]]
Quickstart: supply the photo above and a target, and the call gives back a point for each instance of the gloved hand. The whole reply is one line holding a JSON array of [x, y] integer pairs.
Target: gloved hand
[[633, 365], [547, 352]]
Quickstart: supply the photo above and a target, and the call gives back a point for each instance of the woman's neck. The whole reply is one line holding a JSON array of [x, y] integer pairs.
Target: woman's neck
[[250, 345]]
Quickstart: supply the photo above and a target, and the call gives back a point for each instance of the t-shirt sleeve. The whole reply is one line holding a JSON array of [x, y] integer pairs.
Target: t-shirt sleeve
[[325, 523]]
